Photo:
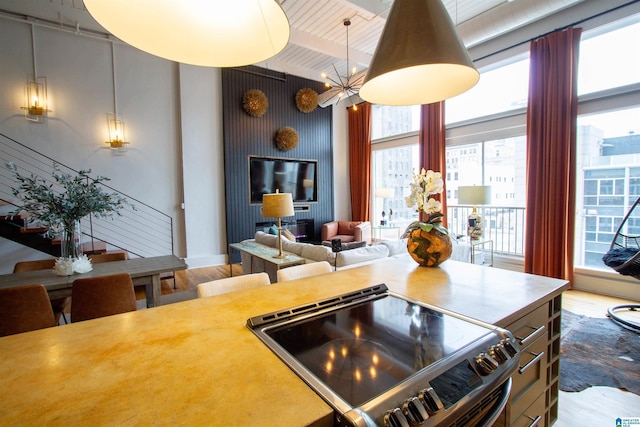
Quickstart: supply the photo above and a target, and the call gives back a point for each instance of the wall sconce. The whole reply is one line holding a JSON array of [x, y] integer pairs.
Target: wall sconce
[[36, 99], [116, 134]]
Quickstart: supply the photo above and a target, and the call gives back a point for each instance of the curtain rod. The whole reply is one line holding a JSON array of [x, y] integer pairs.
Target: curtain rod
[[597, 15]]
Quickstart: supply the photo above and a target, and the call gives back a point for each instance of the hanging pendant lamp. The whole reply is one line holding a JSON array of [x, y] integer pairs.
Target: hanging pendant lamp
[[197, 32], [420, 59]]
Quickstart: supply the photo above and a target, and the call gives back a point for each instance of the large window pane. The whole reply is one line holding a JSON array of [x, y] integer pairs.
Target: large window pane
[[608, 180], [387, 121], [499, 90], [606, 60], [392, 170], [499, 164]]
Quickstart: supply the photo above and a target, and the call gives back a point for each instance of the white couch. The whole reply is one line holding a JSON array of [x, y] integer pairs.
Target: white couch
[[313, 253]]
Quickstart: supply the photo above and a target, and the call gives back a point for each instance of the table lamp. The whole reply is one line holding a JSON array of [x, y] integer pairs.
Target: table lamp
[[474, 195], [277, 205], [384, 193]]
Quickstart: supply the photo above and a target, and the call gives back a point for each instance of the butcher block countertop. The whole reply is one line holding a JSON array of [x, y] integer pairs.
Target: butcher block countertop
[[196, 363]]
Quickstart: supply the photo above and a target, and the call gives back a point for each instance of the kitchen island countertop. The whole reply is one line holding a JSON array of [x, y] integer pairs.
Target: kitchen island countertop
[[196, 363]]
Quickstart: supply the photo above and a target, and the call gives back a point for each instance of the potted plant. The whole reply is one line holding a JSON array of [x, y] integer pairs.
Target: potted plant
[[428, 241], [61, 211]]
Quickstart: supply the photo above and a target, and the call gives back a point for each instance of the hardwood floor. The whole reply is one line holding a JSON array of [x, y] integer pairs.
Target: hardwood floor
[[595, 406]]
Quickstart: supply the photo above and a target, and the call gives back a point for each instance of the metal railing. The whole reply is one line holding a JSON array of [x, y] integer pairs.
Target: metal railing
[[503, 225], [140, 229]]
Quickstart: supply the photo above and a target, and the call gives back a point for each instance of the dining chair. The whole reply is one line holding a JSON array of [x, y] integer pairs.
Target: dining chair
[[108, 257], [94, 297], [303, 270], [57, 304], [231, 284], [25, 308]]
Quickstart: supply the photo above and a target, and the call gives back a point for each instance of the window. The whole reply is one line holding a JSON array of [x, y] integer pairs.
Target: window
[[608, 151], [387, 121], [503, 88], [608, 177], [393, 168], [605, 59], [486, 143]]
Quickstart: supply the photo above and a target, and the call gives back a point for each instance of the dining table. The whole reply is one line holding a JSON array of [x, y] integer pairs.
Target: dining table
[[143, 271]]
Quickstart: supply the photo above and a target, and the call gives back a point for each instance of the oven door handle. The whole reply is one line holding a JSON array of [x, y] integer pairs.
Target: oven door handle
[[498, 406]]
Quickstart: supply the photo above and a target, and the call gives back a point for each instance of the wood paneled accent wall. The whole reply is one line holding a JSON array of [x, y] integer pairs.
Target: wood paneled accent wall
[[245, 135]]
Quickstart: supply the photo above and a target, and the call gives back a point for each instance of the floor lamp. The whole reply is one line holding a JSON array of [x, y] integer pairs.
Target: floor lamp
[[278, 205], [474, 195]]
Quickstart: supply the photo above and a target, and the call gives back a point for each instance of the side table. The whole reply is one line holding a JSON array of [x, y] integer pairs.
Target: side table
[[380, 229], [479, 248]]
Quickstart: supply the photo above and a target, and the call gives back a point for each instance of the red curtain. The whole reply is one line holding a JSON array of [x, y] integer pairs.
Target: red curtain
[[551, 154], [432, 147], [360, 161]]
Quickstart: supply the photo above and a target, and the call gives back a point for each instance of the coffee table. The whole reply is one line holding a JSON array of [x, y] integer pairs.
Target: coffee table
[[266, 254]]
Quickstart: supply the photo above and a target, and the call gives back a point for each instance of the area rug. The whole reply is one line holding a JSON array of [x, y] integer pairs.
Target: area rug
[[598, 352]]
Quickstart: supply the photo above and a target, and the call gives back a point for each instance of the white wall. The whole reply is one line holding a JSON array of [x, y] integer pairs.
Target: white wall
[[203, 165], [173, 117], [341, 186], [80, 88]]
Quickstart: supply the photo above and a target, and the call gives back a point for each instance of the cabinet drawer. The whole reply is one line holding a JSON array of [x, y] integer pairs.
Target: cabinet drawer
[[530, 379], [529, 328], [532, 416]]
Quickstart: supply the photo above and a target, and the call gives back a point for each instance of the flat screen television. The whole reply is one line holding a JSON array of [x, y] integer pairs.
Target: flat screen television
[[296, 176]]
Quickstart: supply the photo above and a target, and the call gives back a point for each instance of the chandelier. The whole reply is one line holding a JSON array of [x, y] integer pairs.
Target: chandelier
[[341, 87]]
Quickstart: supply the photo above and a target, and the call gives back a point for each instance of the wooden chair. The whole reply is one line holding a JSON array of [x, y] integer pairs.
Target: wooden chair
[[57, 304], [231, 284], [304, 270], [25, 308], [108, 257], [95, 297]]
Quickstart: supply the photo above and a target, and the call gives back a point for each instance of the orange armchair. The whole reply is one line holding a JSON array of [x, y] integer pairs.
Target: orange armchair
[[347, 231]]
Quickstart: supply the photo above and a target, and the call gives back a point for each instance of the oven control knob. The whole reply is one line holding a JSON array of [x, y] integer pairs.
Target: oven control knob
[[395, 418], [498, 353], [414, 411], [508, 346], [430, 400], [486, 364]]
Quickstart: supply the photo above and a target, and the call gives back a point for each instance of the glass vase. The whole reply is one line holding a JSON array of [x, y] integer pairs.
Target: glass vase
[[70, 241]]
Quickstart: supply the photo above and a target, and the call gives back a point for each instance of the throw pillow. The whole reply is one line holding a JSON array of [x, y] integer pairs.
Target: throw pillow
[[347, 245], [359, 255], [353, 245], [395, 246], [289, 235], [273, 229]]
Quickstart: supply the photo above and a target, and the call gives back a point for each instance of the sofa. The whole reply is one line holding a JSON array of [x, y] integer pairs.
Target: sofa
[[313, 253], [347, 231]]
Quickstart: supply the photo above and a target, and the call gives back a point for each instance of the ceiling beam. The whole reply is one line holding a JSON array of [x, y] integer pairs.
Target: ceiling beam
[[336, 50], [370, 9]]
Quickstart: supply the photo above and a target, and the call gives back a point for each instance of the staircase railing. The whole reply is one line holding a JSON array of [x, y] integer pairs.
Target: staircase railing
[[140, 229]]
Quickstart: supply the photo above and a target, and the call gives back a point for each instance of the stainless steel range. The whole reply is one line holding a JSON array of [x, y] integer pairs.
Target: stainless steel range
[[381, 359]]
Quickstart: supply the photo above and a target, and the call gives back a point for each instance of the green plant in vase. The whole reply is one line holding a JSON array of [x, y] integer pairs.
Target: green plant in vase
[[61, 211]]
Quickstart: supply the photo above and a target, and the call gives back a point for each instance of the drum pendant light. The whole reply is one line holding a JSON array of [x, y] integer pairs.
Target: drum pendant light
[[197, 32], [420, 59]]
